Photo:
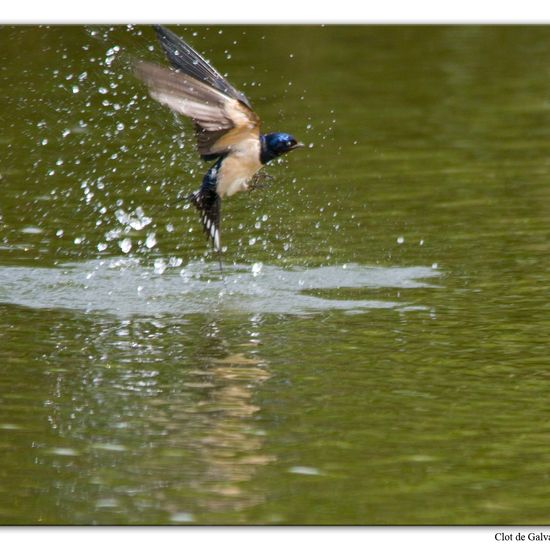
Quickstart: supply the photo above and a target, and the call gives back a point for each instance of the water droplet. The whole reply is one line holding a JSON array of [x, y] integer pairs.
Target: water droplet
[[400, 240], [151, 240], [125, 245], [257, 268], [160, 266]]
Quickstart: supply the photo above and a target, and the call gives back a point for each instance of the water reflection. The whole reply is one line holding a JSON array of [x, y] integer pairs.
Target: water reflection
[[146, 427], [232, 448]]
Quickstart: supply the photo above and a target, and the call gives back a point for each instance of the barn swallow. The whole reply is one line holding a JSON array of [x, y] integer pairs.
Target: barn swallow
[[227, 130]]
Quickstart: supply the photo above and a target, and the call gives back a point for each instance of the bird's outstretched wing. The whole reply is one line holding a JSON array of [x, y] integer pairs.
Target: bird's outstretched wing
[[222, 116], [185, 59]]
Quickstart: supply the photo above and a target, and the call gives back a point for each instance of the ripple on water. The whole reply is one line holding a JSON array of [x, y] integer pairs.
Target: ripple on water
[[181, 517], [304, 470], [125, 287]]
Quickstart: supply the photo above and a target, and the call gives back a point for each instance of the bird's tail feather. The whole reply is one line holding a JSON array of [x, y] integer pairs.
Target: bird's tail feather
[[208, 204]]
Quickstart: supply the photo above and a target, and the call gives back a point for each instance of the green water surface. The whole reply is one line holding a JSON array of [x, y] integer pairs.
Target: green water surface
[[379, 351]]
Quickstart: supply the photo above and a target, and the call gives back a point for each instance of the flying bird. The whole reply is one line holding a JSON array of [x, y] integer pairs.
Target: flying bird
[[227, 130]]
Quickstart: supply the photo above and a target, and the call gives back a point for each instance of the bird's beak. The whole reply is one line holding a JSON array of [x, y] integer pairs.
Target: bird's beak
[[298, 145]]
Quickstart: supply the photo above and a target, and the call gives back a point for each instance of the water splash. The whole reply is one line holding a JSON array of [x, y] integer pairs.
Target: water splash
[[125, 287]]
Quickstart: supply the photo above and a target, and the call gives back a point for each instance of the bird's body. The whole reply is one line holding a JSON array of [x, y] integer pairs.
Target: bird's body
[[238, 168], [227, 129]]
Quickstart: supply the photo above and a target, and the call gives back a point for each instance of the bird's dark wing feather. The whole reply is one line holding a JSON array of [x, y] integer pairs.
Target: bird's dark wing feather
[[184, 58], [220, 121]]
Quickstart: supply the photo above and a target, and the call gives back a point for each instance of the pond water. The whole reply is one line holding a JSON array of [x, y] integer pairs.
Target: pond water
[[377, 351]]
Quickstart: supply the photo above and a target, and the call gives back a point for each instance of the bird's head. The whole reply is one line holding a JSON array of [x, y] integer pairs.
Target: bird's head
[[276, 144]]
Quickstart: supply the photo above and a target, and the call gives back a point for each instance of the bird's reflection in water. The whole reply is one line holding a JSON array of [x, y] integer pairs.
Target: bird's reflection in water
[[173, 405], [232, 449]]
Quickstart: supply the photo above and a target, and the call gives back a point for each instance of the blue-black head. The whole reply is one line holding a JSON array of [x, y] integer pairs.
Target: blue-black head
[[276, 144]]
